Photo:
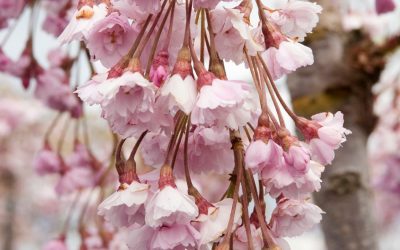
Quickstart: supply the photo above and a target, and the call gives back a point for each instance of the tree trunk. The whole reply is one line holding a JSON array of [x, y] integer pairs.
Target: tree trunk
[[335, 82], [7, 181]]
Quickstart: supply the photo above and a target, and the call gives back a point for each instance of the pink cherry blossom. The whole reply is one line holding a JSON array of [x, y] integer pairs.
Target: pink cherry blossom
[[293, 217], [296, 18], [160, 69], [332, 131], [240, 241], [75, 179], [125, 207], [208, 4], [79, 172], [47, 161], [139, 237], [146, 6], [58, 58], [214, 224], [54, 91], [110, 39], [80, 157], [161, 211], [279, 180], [384, 6], [232, 34], [25, 67], [260, 155], [55, 245], [297, 158], [10, 9], [56, 5], [164, 80], [224, 104], [93, 241], [127, 102], [325, 134], [286, 58], [5, 62], [82, 21], [176, 236], [154, 148], [178, 93], [54, 24], [178, 31], [214, 143], [88, 92], [130, 9]]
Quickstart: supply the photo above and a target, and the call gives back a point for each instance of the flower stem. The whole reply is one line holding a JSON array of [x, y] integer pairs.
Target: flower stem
[[178, 143], [271, 93], [52, 126], [268, 240], [138, 39], [70, 212], [202, 35], [63, 134], [261, 94], [185, 156], [144, 42], [137, 144], [273, 85], [246, 217], [238, 151], [174, 136], [171, 9]]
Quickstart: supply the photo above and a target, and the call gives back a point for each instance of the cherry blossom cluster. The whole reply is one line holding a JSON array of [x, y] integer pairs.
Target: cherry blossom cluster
[[384, 142], [378, 19], [165, 85]]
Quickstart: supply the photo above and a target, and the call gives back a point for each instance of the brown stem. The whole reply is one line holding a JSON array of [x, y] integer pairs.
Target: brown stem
[[273, 85], [86, 132], [213, 51], [138, 39], [247, 133], [198, 65], [76, 130], [246, 217], [174, 136], [70, 212], [202, 35], [261, 94], [238, 151], [63, 134], [185, 156], [137, 144], [268, 240], [112, 161], [171, 24], [52, 126], [87, 53], [250, 126], [271, 92], [186, 38], [178, 142], [143, 43], [85, 209], [157, 38], [119, 158]]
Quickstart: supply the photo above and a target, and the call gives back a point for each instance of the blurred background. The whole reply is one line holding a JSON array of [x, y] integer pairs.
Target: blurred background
[[356, 70]]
